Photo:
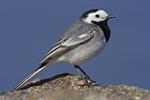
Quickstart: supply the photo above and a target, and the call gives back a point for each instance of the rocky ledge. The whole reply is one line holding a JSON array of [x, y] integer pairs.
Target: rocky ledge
[[68, 87]]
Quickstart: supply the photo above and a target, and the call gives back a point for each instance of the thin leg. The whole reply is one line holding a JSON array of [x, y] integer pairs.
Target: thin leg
[[78, 68], [82, 72]]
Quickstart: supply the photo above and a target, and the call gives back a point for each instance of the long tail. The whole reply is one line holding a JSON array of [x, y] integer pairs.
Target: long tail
[[40, 68]]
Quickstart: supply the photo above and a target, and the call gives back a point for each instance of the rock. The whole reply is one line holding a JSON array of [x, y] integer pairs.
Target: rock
[[68, 87]]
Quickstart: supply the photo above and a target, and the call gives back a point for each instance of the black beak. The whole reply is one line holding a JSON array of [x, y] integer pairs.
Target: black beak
[[111, 17]]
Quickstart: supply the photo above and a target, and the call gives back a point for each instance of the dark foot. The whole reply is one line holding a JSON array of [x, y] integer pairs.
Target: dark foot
[[87, 81], [83, 76]]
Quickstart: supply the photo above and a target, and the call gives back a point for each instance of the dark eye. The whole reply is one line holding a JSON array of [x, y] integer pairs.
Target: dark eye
[[97, 16]]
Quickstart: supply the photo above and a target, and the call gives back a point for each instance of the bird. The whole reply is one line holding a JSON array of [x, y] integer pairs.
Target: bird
[[84, 40]]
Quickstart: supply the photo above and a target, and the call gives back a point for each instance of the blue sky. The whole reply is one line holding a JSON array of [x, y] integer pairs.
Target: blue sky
[[28, 29]]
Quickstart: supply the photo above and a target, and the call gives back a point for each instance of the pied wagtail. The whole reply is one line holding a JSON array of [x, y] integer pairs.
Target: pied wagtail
[[83, 41]]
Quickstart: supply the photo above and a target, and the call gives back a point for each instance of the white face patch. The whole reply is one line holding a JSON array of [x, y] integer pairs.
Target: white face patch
[[98, 16]]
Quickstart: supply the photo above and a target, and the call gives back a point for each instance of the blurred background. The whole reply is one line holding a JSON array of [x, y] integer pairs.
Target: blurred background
[[29, 28]]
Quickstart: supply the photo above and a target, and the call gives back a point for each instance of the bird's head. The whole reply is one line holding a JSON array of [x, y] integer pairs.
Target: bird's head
[[95, 16]]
